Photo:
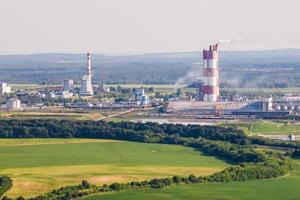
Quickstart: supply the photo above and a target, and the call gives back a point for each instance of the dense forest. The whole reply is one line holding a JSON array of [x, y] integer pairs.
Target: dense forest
[[226, 143], [274, 68]]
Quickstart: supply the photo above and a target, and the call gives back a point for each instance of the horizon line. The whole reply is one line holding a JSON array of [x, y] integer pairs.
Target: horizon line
[[133, 53]]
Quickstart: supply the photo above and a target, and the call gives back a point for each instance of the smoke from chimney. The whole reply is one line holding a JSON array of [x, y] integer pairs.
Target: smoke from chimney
[[230, 41]]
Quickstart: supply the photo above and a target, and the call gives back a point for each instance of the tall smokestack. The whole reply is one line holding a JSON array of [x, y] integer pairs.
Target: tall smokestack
[[86, 88], [210, 88], [89, 64]]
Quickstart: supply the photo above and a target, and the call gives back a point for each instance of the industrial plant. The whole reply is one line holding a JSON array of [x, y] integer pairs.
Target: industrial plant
[[205, 102], [211, 103]]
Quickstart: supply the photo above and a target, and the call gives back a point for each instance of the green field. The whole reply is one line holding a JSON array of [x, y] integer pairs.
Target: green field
[[50, 115], [284, 188], [265, 90], [271, 127], [267, 127], [40, 165]]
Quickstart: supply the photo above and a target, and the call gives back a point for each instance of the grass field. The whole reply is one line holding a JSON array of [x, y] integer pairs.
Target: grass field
[[284, 188], [267, 127], [50, 115], [265, 90], [40, 165]]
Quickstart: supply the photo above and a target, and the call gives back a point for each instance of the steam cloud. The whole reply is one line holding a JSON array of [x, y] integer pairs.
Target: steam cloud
[[230, 41], [195, 73]]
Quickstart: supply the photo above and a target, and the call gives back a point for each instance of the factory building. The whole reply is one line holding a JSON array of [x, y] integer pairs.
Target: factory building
[[141, 98], [14, 104], [204, 108], [86, 81], [210, 88], [4, 88], [256, 108], [68, 85]]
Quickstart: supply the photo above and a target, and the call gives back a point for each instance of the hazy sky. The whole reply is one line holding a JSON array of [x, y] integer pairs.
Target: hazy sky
[[107, 26]]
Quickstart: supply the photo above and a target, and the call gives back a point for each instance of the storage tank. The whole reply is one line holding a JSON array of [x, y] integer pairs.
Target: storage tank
[[277, 107], [14, 104], [291, 107], [284, 107]]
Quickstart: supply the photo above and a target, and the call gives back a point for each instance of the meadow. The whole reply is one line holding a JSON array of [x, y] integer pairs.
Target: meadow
[[40, 165], [266, 127], [273, 127], [283, 188], [51, 115]]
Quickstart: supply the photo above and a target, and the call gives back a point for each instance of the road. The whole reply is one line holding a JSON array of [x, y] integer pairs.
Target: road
[[115, 115]]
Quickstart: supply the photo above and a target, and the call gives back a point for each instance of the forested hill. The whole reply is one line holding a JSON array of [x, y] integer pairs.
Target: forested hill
[[246, 68]]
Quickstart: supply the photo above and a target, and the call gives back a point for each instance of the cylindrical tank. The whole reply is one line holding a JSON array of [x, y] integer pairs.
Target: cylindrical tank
[[291, 107], [284, 107], [277, 107]]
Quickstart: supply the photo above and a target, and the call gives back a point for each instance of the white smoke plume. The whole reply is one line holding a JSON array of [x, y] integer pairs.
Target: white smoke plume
[[196, 73], [193, 75], [230, 41]]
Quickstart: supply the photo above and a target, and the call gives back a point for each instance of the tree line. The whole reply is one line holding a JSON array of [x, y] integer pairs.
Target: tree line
[[129, 131]]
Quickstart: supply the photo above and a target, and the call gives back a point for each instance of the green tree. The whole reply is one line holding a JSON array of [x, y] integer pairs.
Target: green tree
[[85, 184], [178, 92]]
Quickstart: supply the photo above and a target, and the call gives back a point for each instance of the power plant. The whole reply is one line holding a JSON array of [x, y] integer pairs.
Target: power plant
[[210, 89], [210, 102], [86, 81]]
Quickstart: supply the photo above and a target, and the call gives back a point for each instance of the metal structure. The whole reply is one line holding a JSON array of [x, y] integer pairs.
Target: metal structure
[[219, 110], [210, 89]]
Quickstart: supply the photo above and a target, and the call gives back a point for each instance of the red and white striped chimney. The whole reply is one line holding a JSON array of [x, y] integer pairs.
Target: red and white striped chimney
[[210, 88]]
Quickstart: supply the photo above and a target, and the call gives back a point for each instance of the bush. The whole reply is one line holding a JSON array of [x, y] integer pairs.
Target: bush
[[116, 186], [85, 184], [5, 184]]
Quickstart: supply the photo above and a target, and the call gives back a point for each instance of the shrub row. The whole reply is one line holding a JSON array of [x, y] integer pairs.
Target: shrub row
[[242, 172]]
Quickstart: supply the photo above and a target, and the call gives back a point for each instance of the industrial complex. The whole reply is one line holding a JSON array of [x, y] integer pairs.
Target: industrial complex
[[211, 103], [204, 103]]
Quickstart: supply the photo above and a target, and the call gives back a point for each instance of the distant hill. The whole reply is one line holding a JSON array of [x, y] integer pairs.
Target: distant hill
[[272, 68]]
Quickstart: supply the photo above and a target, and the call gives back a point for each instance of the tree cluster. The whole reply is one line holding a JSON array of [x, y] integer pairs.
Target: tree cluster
[[5, 184]]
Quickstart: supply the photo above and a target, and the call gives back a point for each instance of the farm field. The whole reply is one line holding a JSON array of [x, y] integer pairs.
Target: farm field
[[40, 165], [265, 90], [266, 127], [50, 115], [284, 188], [275, 127]]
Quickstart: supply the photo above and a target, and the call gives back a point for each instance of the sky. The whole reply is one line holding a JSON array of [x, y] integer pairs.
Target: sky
[[146, 26]]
